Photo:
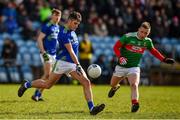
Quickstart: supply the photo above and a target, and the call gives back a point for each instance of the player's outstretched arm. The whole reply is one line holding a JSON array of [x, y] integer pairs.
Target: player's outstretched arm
[[74, 58], [158, 55]]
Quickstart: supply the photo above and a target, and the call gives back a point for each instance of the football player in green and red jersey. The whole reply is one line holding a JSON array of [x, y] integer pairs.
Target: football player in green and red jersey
[[129, 50]]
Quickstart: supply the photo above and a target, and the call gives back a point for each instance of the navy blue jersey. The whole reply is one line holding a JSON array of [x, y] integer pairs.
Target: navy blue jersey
[[66, 36], [51, 31]]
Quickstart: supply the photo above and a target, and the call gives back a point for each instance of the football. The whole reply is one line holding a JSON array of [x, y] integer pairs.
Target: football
[[94, 71]]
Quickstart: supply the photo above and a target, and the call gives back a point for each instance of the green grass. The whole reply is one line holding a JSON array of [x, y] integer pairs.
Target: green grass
[[68, 102]]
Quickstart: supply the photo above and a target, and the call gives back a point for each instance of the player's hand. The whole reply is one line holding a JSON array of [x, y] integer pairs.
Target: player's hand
[[169, 60], [122, 60], [45, 56], [78, 69]]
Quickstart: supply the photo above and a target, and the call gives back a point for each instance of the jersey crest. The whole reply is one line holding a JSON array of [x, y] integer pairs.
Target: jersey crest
[[73, 38], [135, 49]]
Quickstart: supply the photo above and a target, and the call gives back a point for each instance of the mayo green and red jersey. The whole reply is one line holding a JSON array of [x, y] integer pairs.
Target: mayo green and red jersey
[[133, 48]]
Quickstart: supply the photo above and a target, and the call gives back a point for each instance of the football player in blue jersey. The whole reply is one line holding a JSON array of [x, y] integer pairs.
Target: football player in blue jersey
[[47, 40], [67, 63]]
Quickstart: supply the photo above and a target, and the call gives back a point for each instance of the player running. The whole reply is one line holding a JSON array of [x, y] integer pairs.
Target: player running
[[129, 49], [47, 40], [67, 63]]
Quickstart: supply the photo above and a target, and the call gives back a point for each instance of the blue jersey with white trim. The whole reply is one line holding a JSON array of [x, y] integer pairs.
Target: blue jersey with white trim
[[66, 36], [50, 41]]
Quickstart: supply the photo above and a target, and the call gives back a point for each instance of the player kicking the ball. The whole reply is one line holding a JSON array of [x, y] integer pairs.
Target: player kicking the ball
[[129, 49], [67, 63]]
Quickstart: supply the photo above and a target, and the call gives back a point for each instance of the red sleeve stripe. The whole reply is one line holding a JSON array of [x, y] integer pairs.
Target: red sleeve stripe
[[157, 54], [117, 47]]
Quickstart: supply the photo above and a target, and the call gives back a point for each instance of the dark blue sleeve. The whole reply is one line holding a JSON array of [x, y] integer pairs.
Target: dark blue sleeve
[[44, 29]]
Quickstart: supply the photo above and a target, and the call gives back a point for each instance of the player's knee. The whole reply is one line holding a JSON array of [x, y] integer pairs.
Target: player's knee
[[86, 83], [134, 85], [48, 86], [45, 77]]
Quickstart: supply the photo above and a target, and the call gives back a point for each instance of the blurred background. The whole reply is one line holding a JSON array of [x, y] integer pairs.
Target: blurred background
[[104, 22]]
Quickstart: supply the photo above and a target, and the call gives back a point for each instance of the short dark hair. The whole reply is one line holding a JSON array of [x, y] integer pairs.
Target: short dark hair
[[146, 25], [75, 16], [57, 11]]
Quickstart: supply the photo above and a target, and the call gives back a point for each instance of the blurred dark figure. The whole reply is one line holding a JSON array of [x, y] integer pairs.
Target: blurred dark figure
[[113, 63], [158, 28], [122, 27], [86, 52], [28, 31], [2, 25], [11, 25], [175, 28], [105, 75], [9, 52], [10, 9]]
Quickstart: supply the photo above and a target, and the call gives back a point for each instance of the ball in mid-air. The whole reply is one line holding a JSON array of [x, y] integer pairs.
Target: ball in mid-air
[[94, 71]]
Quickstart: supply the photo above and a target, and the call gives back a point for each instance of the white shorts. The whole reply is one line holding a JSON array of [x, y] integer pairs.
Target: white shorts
[[63, 67], [52, 59], [121, 71]]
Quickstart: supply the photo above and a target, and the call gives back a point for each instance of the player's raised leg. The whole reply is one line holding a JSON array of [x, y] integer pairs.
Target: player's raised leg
[[114, 85], [117, 77], [88, 92], [134, 82], [39, 83]]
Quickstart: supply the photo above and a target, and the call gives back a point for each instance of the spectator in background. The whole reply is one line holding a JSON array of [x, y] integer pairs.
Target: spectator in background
[[111, 26], [10, 10], [44, 11], [31, 7], [104, 78], [158, 29], [24, 21], [2, 25], [174, 30], [9, 52], [100, 28], [64, 18], [28, 31], [138, 17], [149, 10], [85, 52], [128, 17], [121, 27], [11, 25]]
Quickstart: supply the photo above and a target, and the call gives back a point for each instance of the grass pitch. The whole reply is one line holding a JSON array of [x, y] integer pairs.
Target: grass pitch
[[68, 102]]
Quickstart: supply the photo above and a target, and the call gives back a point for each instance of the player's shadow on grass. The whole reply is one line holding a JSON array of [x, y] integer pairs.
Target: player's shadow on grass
[[60, 112], [44, 113], [8, 113], [11, 101], [122, 112]]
